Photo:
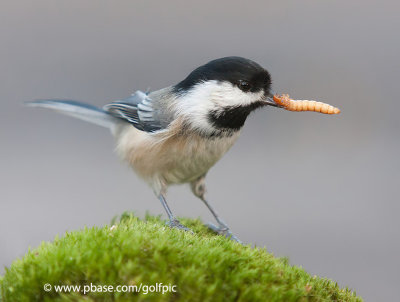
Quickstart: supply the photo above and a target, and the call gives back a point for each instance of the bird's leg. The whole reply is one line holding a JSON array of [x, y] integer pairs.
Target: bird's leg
[[173, 222], [222, 227], [199, 189]]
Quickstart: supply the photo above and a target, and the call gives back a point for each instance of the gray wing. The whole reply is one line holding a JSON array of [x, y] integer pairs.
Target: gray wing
[[138, 110]]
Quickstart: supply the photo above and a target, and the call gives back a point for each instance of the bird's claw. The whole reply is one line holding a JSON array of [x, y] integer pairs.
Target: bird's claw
[[223, 230], [174, 223]]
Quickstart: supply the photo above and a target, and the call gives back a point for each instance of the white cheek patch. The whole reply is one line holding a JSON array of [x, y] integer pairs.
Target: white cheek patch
[[225, 94], [209, 96]]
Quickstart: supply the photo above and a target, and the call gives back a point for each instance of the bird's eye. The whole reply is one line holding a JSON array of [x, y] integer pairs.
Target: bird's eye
[[244, 85]]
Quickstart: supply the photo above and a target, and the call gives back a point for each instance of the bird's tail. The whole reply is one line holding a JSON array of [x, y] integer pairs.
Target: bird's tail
[[78, 110]]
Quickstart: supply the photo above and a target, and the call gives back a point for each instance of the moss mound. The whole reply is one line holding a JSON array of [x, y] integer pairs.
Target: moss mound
[[138, 254]]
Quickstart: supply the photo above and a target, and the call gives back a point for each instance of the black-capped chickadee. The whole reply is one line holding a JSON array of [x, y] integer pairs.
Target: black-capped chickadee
[[176, 134]]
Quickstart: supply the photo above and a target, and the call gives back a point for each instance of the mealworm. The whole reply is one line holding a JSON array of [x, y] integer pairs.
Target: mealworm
[[304, 105]]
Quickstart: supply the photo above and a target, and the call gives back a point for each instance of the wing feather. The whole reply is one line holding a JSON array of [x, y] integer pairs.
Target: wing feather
[[138, 110]]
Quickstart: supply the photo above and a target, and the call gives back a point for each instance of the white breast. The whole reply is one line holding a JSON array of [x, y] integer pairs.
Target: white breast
[[170, 157]]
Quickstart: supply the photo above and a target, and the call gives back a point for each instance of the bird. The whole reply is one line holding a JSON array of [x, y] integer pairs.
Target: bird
[[174, 135]]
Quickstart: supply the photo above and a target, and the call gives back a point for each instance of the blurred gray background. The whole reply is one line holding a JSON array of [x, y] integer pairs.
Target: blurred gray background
[[319, 189]]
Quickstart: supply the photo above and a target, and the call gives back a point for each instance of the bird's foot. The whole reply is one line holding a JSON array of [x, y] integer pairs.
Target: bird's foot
[[223, 230], [174, 223]]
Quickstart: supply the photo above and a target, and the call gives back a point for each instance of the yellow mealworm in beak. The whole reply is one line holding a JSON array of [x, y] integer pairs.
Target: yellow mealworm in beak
[[304, 105]]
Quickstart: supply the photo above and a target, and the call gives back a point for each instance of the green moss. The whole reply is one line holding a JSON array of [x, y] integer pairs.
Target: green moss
[[203, 266]]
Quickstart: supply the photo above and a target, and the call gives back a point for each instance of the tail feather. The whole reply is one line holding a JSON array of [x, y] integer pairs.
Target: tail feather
[[78, 110]]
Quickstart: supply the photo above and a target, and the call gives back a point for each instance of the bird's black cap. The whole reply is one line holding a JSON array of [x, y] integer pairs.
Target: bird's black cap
[[244, 73]]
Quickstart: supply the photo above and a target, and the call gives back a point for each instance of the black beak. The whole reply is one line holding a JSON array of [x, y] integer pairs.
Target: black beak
[[270, 101]]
